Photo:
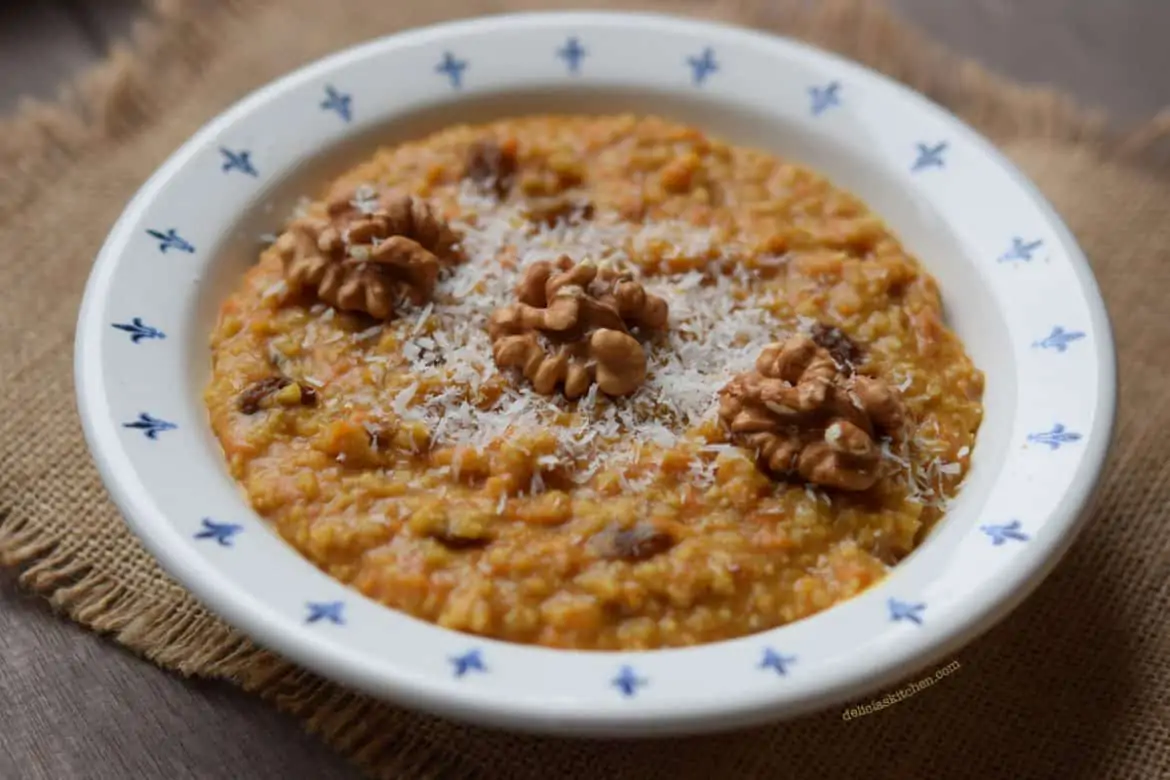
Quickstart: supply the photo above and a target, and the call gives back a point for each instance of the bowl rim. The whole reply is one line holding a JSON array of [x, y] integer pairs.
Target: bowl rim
[[256, 619]]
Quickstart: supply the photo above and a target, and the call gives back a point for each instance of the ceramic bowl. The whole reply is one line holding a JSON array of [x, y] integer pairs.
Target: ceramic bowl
[[1015, 285]]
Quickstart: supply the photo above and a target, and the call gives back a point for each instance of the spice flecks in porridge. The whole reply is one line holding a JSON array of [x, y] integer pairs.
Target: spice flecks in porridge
[[433, 481]]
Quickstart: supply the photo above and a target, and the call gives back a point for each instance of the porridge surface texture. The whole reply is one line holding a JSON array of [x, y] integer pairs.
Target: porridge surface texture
[[395, 454]]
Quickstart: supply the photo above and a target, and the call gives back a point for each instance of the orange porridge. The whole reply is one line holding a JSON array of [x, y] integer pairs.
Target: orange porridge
[[593, 382]]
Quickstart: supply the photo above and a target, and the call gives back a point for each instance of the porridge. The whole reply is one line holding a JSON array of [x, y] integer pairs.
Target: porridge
[[592, 382]]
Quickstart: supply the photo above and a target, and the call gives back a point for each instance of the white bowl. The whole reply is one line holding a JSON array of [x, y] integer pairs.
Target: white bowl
[[1017, 289]]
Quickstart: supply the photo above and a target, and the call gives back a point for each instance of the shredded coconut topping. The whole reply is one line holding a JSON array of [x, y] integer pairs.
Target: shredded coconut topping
[[717, 328], [365, 199], [720, 320]]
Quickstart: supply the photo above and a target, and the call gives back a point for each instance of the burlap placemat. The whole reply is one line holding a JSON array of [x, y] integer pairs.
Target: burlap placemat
[[1075, 683]]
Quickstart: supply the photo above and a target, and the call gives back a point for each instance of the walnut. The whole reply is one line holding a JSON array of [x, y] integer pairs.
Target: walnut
[[572, 327], [369, 252], [806, 417]]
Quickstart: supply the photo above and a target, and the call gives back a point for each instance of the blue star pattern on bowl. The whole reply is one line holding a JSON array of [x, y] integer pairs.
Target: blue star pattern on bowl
[[1021, 250], [1056, 437], [139, 330], [1000, 534], [628, 681], [452, 68], [572, 53], [221, 533], [171, 240], [150, 425], [776, 661], [339, 102], [328, 611], [702, 66], [471, 661], [824, 98], [238, 161], [930, 156], [905, 610], [1059, 339]]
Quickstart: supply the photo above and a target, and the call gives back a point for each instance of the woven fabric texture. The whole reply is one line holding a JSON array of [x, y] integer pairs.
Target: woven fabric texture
[[1076, 682]]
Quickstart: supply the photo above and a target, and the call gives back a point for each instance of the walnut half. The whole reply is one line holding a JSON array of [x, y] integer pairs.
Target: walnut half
[[572, 327], [805, 417], [369, 252]]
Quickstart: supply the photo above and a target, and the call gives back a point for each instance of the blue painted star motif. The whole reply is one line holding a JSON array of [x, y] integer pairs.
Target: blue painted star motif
[[824, 98], [330, 611], [904, 610], [1001, 533], [220, 532], [471, 661], [628, 682], [139, 330], [341, 102], [1021, 250], [151, 426], [1059, 339], [171, 240], [238, 161], [572, 53], [930, 156], [703, 65], [774, 660], [1054, 438], [452, 68]]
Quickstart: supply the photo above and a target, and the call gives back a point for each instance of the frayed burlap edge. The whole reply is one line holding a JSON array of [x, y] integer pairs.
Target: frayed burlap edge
[[115, 100]]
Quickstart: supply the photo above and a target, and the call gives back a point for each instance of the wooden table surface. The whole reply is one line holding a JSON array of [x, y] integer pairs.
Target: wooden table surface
[[73, 705]]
